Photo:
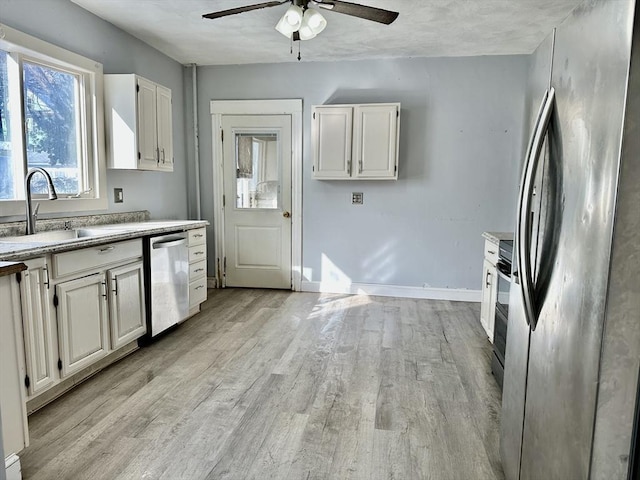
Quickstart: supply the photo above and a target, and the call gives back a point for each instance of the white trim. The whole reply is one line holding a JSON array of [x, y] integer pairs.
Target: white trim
[[451, 294], [292, 107], [34, 49], [13, 467]]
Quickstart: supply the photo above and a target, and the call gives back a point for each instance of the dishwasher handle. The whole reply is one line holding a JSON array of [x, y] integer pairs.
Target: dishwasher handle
[[171, 242]]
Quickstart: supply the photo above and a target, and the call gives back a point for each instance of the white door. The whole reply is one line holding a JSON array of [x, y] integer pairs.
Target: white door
[[257, 192], [83, 331], [332, 132], [147, 127], [40, 352], [126, 304], [375, 142], [165, 128]]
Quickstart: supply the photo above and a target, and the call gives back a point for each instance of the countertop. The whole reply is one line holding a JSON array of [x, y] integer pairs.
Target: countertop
[[9, 268], [115, 232], [497, 237]]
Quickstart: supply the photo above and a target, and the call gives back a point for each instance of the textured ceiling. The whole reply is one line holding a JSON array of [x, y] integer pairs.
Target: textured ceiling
[[425, 28]]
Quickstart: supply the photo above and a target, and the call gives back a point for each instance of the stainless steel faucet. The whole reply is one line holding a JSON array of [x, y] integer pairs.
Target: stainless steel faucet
[[31, 215]]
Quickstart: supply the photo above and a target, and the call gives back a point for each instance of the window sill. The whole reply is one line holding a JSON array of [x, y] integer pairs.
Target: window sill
[[62, 205]]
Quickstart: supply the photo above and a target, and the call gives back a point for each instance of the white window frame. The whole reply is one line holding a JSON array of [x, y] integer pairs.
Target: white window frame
[[21, 46]]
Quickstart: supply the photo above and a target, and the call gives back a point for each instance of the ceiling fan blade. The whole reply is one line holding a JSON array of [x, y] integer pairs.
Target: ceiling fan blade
[[361, 11], [248, 8]]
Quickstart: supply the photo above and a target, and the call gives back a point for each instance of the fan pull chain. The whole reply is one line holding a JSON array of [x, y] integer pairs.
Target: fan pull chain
[[299, 56]]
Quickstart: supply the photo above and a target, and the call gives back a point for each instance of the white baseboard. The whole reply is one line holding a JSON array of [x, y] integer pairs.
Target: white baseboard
[[12, 467], [451, 294]]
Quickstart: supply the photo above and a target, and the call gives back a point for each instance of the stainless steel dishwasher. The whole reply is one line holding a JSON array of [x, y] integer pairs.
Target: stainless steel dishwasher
[[168, 274]]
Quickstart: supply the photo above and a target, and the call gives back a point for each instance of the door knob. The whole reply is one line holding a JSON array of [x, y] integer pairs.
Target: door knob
[[286, 214]]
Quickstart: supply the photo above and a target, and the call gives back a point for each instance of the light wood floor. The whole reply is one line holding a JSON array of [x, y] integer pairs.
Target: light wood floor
[[271, 384]]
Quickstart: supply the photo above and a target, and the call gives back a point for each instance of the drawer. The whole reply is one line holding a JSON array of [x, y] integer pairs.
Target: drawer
[[491, 252], [91, 258], [197, 253], [197, 292], [197, 270], [197, 237]]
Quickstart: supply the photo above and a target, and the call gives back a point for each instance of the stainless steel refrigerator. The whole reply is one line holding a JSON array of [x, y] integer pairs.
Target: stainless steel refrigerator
[[573, 343]]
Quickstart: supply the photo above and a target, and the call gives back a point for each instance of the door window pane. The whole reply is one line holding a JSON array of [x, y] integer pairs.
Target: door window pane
[[257, 170], [52, 118]]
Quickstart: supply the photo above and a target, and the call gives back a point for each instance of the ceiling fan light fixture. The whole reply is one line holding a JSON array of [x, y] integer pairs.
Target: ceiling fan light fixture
[[306, 33], [290, 21], [284, 28], [314, 20]]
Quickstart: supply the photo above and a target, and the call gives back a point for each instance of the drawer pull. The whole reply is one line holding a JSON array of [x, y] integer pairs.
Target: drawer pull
[[106, 249], [491, 252], [199, 287], [198, 253], [198, 235], [198, 270]]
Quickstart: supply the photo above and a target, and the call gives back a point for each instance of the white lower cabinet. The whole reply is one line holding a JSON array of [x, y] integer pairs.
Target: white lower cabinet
[[78, 307], [15, 434], [38, 326], [197, 268], [83, 328], [126, 304], [489, 297]]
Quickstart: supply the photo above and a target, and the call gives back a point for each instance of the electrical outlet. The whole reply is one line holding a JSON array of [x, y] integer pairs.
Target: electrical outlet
[[118, 196], [357, 198]]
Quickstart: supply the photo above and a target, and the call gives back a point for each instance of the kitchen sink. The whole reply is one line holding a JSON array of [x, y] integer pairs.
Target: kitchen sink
[[59, 235]]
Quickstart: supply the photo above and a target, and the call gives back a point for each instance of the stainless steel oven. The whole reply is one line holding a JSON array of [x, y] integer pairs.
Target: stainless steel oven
[[502, 310]]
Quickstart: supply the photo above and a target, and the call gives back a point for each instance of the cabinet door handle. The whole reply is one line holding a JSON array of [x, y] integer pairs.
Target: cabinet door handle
[[486, 280], [46, 276], [104, 289], [115, 286], [163, 157], [349, 167], [360, 166], [157, 155]]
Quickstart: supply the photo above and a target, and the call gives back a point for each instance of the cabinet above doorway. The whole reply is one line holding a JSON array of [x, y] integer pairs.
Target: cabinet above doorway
[[139, 126], [356, 142]]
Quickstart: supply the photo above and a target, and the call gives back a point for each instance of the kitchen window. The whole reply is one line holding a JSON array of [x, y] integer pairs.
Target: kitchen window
[[50, 117]]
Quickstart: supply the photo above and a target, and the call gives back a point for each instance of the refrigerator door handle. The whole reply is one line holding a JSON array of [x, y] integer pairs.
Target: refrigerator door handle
[[524, 220]]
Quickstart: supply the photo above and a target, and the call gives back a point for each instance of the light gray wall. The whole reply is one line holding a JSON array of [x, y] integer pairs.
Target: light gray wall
[[460, 149], [65, 24]]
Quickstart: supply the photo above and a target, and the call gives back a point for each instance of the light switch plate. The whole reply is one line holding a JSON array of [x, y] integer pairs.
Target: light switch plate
[[357, 198], [118, 196]]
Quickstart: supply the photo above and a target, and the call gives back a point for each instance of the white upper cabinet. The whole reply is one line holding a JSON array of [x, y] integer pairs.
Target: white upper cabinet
[[356, 142], [138, 123], [165, 128], [332, 129]]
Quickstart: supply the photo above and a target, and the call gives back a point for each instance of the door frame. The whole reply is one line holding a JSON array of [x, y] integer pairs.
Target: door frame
[[292, 107]]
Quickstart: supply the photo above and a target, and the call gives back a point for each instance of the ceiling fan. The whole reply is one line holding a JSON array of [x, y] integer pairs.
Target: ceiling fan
[[301, 22]]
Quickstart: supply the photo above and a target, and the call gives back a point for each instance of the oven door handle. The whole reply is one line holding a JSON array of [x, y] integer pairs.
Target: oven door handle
[[524, 221]]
